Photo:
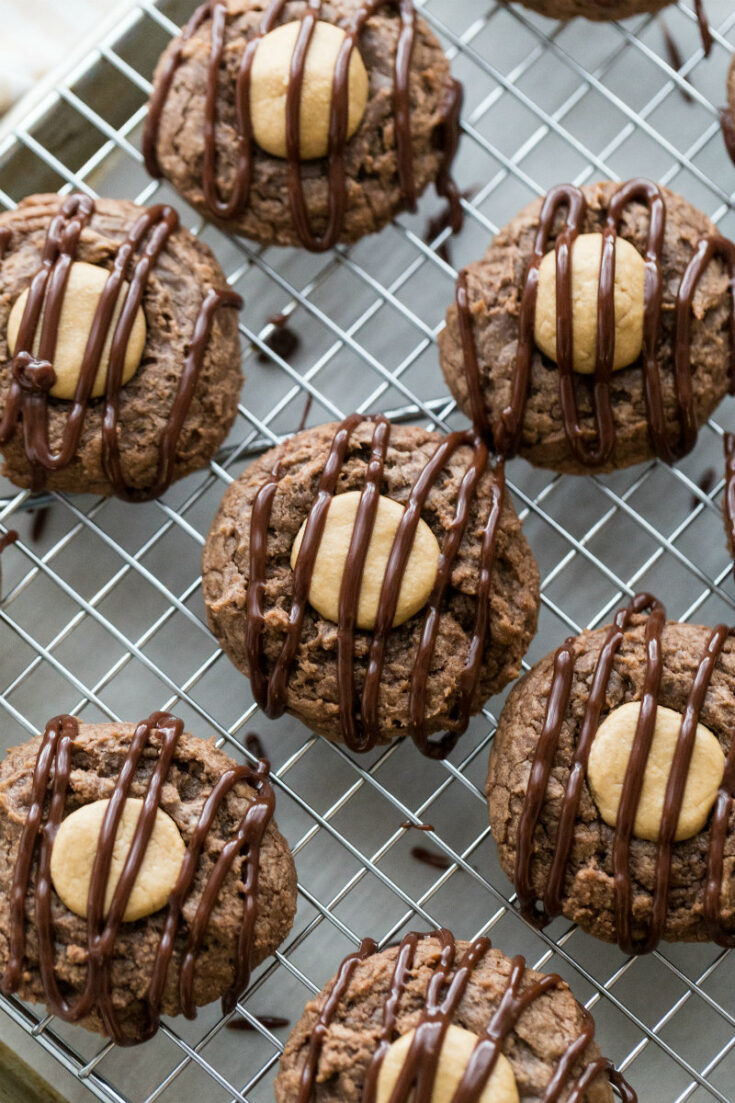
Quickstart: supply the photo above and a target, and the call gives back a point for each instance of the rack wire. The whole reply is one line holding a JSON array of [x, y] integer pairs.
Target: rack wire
[[101, 612]]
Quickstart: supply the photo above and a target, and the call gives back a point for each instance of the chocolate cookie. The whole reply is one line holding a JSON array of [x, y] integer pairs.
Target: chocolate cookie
[[119, 350], [432, 1017], [416, 526], [594, 9], [202, 888], [612, 779], [370, 117], [637, 383]]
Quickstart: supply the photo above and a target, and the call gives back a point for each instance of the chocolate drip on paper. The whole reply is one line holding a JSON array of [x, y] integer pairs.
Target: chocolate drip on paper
[[359, 720], [446, 988], [506, 433], [546, 749], [33, 374], [50, 786], [237, 202]]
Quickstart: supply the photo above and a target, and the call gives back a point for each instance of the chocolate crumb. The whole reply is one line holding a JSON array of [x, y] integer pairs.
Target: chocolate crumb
[[418, 826]]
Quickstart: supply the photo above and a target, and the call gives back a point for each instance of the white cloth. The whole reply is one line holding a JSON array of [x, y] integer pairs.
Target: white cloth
[[36, 35]]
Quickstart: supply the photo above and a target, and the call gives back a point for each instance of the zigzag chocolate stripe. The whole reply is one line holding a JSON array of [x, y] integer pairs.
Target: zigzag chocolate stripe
[[360, 728], [446, 988], [53, 769], [546, 748], [506, 433], [216, 11], [33, 376]]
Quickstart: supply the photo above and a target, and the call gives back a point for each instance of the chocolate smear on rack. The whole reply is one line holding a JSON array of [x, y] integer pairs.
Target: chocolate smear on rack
[[430, 857], [707, 41], [727, 126], [446, 987], [270, 1022], [282, 340], [540, 912], [417, 826], [705, 483], [254, 745], [441, 221], [506, 433], [40, 521], [7, 539], [229, 207], [33, 375], [729, 498], [359, 718], [675, 58], [49, 794], [305, 415]]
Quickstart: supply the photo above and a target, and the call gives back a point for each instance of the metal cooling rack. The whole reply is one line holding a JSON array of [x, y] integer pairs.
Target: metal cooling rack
[[102, 615]]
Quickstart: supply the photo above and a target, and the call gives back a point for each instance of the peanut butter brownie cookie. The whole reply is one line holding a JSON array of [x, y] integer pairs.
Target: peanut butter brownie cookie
[[304, 124], [119, 350], [612, 778], [142, 874], [440, 1020], [597, 331], [373, 580], [594, 9]]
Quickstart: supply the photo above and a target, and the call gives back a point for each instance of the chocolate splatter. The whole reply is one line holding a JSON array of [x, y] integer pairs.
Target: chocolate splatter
[[283, 341], [418, 826], [430, 857]]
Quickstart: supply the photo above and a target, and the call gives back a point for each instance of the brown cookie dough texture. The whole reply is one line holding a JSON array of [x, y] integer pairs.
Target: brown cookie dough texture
[[588, 891], [97, 757], [594, 9], [495, 286], [533, 1049], [176, 288], [373, 189], [312, 692]]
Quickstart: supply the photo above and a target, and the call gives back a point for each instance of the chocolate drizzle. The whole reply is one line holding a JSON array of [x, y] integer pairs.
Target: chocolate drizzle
[[729, 499], [544, 758], [33, 375], [446, 988], [237, 202], [506, 433], [704, 30], [359, 720], [50, 786]]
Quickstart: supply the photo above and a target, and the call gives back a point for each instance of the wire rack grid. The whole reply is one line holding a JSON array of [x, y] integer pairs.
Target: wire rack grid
[[101, 612]]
